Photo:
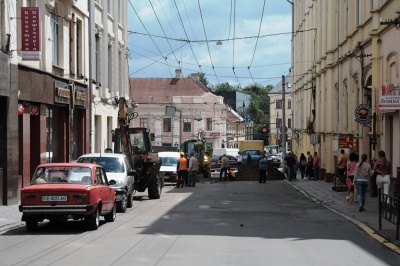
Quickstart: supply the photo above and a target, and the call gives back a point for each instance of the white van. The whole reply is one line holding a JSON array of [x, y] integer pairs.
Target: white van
[[227, 151], [169, 162]]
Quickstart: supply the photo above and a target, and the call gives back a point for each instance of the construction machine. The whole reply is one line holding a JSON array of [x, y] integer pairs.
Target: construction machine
[[198, 147], [135, 143]]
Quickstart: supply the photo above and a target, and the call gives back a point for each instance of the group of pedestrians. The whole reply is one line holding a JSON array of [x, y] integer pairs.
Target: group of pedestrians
[[308, 166], [186, 170], [357, 175]]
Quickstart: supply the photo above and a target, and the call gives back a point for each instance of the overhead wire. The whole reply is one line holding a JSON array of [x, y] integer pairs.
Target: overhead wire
[[183, 26], [148, 33], [233, 47], [205, 34], [162, 29], [187, 16]]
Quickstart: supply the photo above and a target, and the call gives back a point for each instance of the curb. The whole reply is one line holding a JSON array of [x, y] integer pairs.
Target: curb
[[358, 223]]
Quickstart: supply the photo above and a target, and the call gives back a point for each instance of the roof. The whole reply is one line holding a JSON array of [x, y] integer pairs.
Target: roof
[[162, 89], [278, 87], [114, 155]]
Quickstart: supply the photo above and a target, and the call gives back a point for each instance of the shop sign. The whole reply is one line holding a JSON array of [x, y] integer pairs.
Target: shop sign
[[63, 93], [363, 114], [30, 31], [389, 98], [346, 142], [213, 134]]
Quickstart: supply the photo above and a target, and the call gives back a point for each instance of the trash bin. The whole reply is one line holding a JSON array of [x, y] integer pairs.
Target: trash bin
[[328, 177], [322, 172]]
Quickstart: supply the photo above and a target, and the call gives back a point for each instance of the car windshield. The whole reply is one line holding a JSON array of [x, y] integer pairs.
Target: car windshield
[[58, 174], [110, 164], [169, 161]]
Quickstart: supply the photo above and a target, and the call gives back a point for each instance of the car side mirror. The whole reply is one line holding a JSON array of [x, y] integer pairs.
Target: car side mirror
[[131, 172], [112, 182]]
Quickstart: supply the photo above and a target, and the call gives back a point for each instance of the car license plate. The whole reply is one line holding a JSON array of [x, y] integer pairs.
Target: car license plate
[[54, 198]]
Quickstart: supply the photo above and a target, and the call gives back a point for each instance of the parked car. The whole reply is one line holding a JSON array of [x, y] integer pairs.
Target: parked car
[[215, 162], [169, 163], [118, 168], [276, 160], [62, 191]]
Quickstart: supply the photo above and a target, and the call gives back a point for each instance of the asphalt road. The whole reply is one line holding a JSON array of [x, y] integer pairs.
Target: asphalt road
[[236, 223]]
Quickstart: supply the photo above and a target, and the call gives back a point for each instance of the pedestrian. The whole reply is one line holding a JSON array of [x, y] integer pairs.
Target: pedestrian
[[342, 163], [224, 167], [362, 174], [296, 164], [383, 168], [182, 170], [186, 178], [316, 166], [302, 165], [239, 159], [193, 168], [248, 160], [290, 166], [350, 172], [309, 170], [263, 169]]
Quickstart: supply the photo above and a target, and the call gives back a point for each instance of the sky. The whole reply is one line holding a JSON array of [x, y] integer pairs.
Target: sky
[[168, 34]]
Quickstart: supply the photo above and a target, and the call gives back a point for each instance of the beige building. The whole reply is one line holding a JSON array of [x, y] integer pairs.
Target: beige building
[[346, 76]]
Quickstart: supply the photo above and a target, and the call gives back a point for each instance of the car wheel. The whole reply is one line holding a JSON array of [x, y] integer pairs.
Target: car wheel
[[110, 217], [32, 224], [94, 220], [130, 201], [153, 191], [122, 204]]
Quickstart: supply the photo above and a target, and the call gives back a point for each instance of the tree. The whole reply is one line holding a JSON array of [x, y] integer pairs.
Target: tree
[[203, 79]]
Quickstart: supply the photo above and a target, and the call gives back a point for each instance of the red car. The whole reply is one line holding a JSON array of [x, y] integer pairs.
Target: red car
[[62, 191]]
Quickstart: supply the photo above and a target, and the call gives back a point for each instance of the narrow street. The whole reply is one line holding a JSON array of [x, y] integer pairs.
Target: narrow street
[[233, 223]]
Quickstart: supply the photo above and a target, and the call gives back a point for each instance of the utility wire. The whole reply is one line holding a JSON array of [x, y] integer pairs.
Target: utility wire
[[183, 26], [149, 34], [162, 29], [205, 34], [258, 35], [190, 24]]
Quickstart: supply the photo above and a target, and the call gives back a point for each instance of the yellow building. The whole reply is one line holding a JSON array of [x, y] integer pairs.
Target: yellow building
[[345, 79]]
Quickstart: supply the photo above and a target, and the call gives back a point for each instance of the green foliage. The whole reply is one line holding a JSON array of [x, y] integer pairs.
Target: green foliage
[[203, 79]]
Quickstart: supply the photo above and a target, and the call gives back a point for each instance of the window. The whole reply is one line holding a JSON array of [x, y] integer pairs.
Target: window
[[278, 104], [187, 125], [289, 123], [110, 67], [167, 125], [278, 122], [289, 104], [144, 122], [98, 56], [55, 37], [209, 124]]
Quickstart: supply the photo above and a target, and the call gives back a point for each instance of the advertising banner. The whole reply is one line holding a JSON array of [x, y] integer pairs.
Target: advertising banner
[[389, 97], [30, 31]]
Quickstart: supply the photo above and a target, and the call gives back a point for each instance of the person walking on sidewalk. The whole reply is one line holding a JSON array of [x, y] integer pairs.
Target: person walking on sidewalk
[[383, 168], [302, 165], [193, 168], [350, 172], [316, 166], [290, 166], [362, 174], [263, 169], [224, 167]]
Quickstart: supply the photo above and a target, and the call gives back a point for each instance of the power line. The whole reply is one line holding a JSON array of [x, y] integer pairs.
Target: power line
[[259, 29], [205, 34]]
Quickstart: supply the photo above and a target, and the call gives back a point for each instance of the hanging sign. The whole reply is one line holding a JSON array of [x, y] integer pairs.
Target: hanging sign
[[30, 31], [363, 114]]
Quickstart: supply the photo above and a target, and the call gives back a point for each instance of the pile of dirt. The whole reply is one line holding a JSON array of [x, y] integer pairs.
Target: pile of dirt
[[251, 172]]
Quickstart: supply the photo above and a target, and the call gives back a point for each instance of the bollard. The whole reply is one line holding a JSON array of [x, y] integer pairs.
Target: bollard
[[372, 183]]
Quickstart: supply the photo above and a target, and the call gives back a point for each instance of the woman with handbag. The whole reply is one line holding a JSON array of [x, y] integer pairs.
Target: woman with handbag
[[384, 168], [350, 172], [363, 172]]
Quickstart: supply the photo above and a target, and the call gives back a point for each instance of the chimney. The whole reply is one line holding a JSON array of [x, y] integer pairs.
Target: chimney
[[195, 76], [178, 73]]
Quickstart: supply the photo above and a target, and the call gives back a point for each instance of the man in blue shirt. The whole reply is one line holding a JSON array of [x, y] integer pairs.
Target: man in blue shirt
[[263, 169]]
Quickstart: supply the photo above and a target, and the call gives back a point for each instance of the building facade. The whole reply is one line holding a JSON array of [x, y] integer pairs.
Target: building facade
[[195, 106], [346, 76], [108, 68]]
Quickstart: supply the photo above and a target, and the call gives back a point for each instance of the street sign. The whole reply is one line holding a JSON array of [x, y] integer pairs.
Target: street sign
[[246, 120]]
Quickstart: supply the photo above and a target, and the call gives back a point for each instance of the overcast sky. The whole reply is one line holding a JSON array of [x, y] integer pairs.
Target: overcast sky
[[168, 34]]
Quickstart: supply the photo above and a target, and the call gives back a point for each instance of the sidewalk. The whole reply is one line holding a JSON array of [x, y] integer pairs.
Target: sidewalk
[[10, 217], [368, 220]]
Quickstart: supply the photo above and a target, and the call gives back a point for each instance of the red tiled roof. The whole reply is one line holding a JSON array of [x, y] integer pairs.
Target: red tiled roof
[[161, 89]]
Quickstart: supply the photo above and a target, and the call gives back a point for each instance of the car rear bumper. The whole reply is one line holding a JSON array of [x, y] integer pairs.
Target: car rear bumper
[[57, 209]]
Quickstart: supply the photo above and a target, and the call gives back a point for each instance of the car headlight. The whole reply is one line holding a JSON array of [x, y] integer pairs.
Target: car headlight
[[118, 184]]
